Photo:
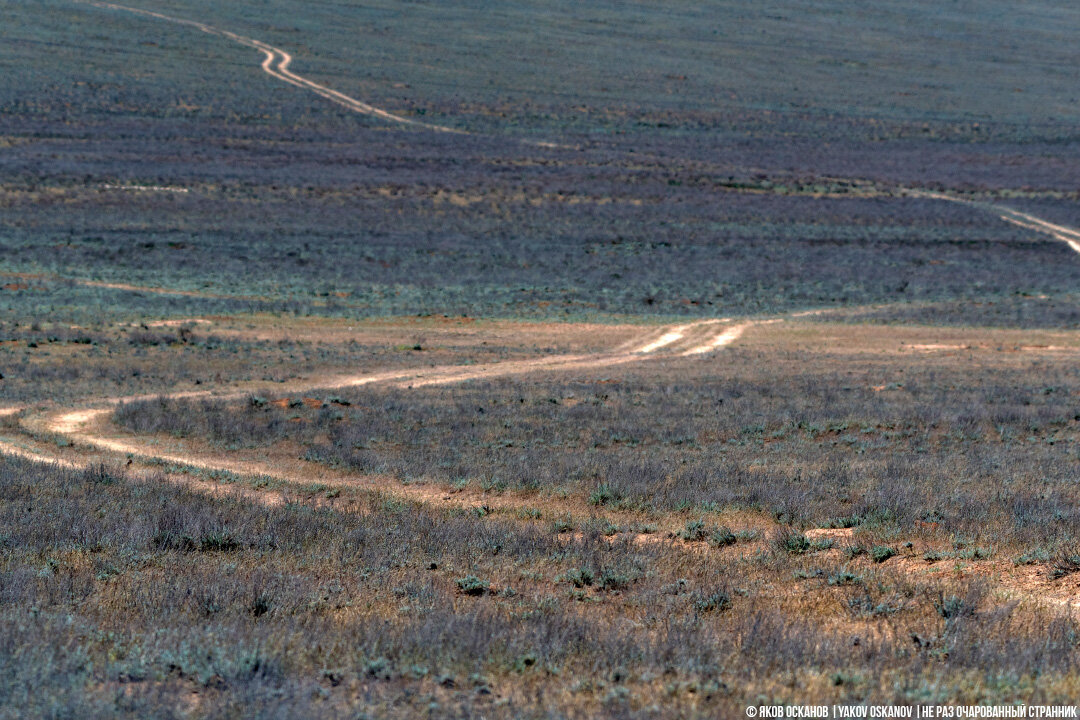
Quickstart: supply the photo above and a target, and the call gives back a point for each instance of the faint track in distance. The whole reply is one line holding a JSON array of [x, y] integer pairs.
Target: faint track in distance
[[276, 64]]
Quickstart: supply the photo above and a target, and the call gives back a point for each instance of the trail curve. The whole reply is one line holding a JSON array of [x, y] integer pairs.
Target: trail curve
[[1069, 236], [276, 64], [75, 425], [85, 427]]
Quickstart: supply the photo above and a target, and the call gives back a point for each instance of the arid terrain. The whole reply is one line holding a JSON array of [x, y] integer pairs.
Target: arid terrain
[[354, 363]]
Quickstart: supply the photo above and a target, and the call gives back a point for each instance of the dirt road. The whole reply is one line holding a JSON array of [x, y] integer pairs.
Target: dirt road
[[1067, 235], [84, 425], [276, 64], [76, 425], [88, 428], [96, 440]]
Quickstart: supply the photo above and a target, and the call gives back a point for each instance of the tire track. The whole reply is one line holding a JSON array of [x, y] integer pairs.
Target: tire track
[[84, 426], [276, 63], [75, 424], [1069, 236], [667, 336], [718, 341], [79, 424]]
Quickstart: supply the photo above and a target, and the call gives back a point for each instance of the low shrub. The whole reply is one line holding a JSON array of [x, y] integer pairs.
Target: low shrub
[[472, 585]]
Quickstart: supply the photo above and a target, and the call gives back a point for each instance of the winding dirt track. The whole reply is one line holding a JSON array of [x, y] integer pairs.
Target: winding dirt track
[[276, 64], [687, 340], [1067, 235], [88, 427], [75, 425]]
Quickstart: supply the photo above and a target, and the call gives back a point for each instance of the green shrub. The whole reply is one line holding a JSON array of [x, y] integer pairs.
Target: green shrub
[[1066, 563], [602, 495], [563, 524], [714, 602], [694, 531], [844, 577], [791, 542], [951, 606], [976, 553], [472, 585], [722, 537], [579, 577], [853, 551], [613, 580], [881, 553], [218, 542], [379, 668], [1033, 558]]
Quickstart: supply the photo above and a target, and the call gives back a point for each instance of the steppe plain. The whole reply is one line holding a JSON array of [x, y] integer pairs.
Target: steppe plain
[[416, 359]]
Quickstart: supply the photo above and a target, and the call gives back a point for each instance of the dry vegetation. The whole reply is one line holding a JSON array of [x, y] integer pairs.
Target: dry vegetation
[[581, 544], [125, 594], [877, 503], [59, 361], [972, 439], [585, 544]]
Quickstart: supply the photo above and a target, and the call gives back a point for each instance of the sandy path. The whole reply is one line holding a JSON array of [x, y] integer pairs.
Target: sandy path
[[146, 188], [74, 423], [157, 290], [684, 340], [667, 336], [1066, 235], [1069, 236], [13, 450], [147, 289], [276, 64], [86, 427], [178, 322], [720, 340], [80, 425], [10, 448]]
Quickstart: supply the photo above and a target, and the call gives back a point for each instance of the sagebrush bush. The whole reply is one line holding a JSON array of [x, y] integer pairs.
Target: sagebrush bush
[[789, 541]]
